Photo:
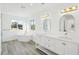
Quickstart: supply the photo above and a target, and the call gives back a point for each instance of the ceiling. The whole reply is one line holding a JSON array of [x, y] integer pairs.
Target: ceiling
[[27, 9]]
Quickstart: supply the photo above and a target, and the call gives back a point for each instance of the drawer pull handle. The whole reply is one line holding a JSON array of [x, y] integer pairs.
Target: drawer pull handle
[[48, 46], [64, 43], [48, 40]]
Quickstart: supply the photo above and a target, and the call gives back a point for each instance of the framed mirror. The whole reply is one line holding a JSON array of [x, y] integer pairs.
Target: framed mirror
[[45, 25], [67, 23], [32, 24]]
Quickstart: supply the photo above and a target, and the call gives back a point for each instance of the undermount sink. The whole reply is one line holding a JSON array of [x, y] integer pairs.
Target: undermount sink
[[65, 37]]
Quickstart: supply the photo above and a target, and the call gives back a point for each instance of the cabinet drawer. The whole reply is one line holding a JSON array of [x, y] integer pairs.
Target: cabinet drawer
[[52, 48]]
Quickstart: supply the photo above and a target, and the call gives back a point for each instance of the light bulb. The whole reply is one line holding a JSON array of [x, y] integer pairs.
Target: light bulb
[[67, 10], [74, 8]]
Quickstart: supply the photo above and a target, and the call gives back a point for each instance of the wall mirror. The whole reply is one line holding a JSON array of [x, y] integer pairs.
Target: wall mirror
[[67, 23], [45, 25], [32, 24]]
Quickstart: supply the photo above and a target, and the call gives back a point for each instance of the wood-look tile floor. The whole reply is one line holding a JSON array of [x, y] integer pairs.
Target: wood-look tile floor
[[20, 48]]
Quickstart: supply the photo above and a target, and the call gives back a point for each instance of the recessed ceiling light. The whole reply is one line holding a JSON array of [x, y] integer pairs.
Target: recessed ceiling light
[[42, 3], [31, 4], [23, 6]]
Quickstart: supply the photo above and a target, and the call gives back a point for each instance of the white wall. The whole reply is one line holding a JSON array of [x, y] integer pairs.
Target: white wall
[[54, 12], [9, 34], [0, 32], [54, 18]]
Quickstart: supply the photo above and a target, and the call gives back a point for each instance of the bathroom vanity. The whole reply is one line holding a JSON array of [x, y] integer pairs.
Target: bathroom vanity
[[58, 45], [63, 45]]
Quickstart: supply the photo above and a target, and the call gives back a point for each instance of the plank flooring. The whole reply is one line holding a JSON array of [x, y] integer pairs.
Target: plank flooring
[[20, 48]]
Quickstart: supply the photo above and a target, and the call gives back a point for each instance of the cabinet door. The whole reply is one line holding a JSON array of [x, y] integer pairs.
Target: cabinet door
[[44, 41], [51, 45], [71, 48], [59, 44], [67, 48]]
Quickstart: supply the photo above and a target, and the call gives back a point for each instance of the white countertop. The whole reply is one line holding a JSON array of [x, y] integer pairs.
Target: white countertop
[[73, 39]]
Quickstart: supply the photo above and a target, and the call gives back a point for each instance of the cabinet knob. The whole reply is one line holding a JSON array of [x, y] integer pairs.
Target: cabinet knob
[[48, 40], [48, 46], [64, 43]]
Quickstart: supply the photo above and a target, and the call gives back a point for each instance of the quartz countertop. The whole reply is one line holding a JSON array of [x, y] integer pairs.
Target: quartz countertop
[[73, 39]]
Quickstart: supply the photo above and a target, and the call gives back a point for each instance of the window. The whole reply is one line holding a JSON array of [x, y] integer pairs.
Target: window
[[16, 25], [20, 26]]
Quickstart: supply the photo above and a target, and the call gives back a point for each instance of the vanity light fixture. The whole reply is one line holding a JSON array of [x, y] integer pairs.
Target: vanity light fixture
[[42, 3], [69, 9], [22, 6], [44, 17], [75, 7]]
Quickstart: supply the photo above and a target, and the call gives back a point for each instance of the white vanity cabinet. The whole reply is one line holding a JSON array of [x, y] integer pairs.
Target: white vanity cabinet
[[56, 45], [71, 48], [64, 47]]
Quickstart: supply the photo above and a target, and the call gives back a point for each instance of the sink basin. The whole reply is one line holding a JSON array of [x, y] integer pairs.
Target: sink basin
[[64, 37]]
